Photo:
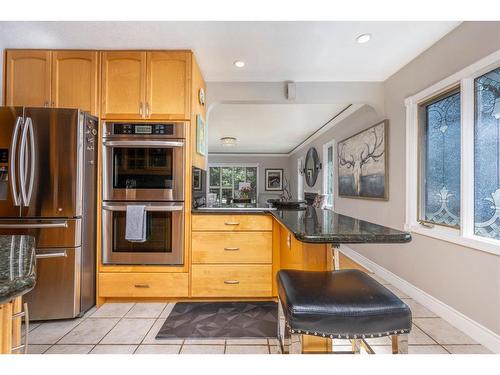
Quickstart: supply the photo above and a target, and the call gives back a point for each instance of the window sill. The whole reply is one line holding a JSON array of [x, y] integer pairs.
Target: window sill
[[454, 236]]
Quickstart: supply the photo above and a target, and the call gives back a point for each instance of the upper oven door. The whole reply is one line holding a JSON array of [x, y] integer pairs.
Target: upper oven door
[[143, 169]]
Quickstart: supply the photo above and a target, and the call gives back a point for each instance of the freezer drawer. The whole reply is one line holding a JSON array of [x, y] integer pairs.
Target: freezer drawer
[[48, 233], [57, 291]]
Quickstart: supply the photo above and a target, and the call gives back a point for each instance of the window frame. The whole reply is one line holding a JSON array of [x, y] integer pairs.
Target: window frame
[[232, 165], [422, 148], [325, 172], [465, 235]]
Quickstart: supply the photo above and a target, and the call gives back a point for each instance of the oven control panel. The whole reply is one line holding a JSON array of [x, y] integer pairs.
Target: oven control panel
[[143, 129]]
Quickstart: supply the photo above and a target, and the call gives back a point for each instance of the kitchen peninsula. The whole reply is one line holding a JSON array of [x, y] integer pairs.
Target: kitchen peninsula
[[237, 250]]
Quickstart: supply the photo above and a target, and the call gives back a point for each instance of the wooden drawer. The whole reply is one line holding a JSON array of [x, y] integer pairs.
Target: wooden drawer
[[231, 281], [143, 285], [232, 223], [234, 247]]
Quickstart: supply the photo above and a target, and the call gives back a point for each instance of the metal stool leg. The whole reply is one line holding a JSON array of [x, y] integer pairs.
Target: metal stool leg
[[356, 346], [288, 343], [295, 344], [399, 344]]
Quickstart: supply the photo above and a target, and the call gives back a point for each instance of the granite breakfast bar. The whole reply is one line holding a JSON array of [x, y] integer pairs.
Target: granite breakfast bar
[[17, 277], [302, 239]]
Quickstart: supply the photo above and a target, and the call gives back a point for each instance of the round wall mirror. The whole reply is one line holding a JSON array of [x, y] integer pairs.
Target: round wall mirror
[[312, 167]]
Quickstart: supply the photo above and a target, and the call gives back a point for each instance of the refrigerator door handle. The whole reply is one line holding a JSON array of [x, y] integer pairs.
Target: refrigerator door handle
[[13, 160], [55, 224], [32, 164], [23, 170], [52, 254]]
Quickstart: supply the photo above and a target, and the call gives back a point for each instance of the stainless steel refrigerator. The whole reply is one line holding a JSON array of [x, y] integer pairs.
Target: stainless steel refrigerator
[[48, 174]]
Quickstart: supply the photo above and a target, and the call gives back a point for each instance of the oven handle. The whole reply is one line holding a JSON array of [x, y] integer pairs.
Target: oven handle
[[155, 208], [149, 143]]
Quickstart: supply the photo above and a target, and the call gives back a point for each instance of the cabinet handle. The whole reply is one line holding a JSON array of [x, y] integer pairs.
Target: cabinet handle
[[147, 110], [46, 104], [231, 223], [140, 110], [231, 282], [231, 248], [26, 315], [141, 285]]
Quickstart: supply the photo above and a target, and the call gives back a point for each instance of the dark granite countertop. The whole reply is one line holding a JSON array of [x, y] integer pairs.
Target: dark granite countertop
[[244, 208], [314, 225], [17, 266]]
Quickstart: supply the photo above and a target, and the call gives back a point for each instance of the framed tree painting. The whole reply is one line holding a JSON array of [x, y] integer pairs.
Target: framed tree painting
[[274, 179], [363, 164]]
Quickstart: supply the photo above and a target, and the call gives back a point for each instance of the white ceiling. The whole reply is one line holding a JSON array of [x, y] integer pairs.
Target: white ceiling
[[273, 51], [266, 128]]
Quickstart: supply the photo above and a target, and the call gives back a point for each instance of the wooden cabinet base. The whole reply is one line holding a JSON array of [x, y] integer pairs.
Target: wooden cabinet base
[[143, 285]]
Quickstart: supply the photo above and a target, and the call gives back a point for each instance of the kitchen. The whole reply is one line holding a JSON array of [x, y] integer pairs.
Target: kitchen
[[158, 199]]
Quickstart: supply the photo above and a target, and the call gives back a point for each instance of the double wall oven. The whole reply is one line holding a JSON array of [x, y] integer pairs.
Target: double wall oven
[[144, 164]]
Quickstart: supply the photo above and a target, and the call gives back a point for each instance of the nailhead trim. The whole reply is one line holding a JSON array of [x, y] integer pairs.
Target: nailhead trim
[[347, 336]]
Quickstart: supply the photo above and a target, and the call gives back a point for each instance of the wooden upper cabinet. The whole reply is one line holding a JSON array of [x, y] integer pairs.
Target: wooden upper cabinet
[[168, 85], [123, 85], [75, 80], [27, 78]]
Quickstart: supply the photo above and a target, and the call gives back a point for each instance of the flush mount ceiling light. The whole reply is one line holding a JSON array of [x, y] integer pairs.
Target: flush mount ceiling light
[[363, 38], [239, 63], [228, 141]]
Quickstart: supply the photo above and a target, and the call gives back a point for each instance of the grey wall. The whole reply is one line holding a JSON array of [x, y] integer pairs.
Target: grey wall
[[465, 279], [263, 161]]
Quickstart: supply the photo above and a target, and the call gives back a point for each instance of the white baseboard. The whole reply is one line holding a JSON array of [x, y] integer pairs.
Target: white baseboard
[[478, 332]]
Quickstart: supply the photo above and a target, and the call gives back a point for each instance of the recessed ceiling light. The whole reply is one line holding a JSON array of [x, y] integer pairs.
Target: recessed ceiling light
[[239, 64], [363, 38], [228, 141]]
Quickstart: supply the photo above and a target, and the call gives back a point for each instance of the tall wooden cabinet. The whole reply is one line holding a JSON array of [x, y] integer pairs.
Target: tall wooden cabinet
[[64, 79], [146, 85]]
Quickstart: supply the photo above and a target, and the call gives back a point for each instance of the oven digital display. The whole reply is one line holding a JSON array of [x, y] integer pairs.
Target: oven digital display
[[143, 129]]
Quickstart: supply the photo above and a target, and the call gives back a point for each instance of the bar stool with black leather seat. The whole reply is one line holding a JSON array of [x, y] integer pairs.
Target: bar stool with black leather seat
[[345, 304]]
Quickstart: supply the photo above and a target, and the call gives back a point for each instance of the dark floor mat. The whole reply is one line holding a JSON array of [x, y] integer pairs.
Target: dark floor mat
[[197, 320]]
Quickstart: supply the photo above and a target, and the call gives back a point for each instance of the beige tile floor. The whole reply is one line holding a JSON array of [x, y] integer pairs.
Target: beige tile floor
[[130, 328]]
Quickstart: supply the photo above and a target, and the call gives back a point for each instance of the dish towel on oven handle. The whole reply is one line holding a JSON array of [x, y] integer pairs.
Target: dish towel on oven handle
[[135, 223]]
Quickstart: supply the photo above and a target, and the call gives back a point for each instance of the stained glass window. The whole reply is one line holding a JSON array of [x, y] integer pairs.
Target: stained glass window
[[440, 158], [487, 155]]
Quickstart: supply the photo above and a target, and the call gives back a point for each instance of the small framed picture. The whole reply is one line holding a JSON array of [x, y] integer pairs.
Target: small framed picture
[[201, 136], [197, 179], [274, 179]]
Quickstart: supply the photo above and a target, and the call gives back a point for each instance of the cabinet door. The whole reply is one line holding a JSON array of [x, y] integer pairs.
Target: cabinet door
[[123, 85], [75, 80], [168, 85], [27, 78]]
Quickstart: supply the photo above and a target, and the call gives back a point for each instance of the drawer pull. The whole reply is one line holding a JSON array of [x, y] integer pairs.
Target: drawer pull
[[231, 223], [231, 248], [231, 282], [141, 285]]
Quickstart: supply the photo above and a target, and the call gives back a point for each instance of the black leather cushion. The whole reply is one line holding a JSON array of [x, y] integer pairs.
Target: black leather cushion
[[341, 303]]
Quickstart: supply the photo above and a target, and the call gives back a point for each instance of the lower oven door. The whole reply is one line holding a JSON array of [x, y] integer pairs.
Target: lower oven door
[[164, 243]]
